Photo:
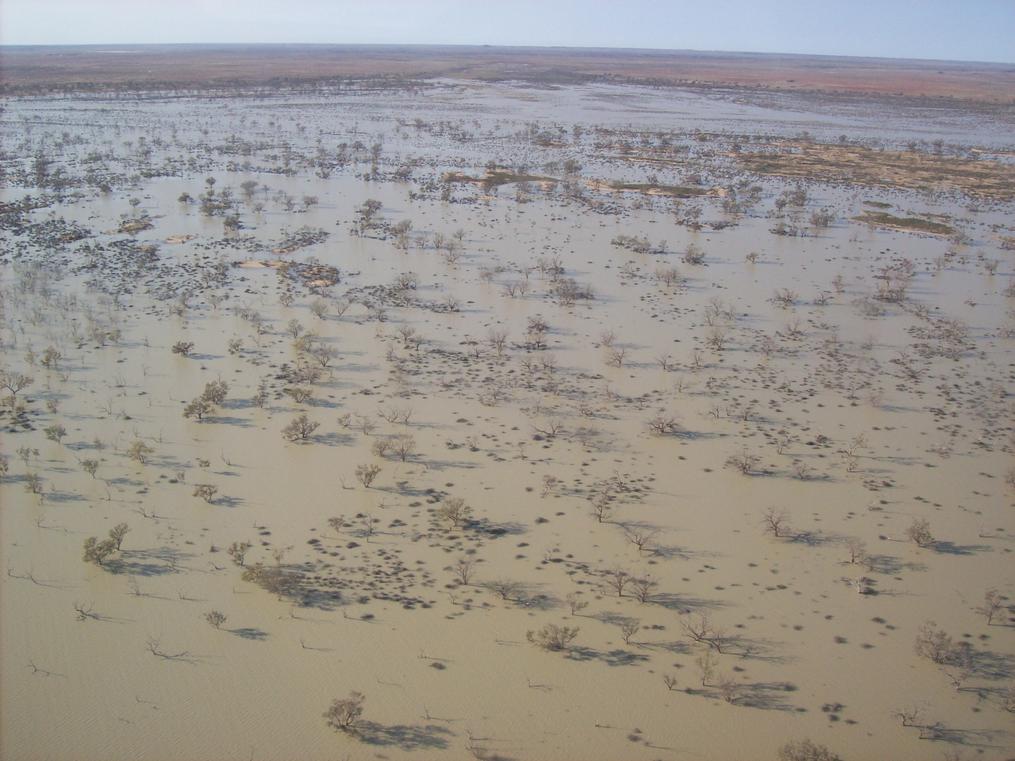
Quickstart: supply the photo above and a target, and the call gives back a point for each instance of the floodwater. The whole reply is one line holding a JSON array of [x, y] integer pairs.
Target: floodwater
[[859, 416]]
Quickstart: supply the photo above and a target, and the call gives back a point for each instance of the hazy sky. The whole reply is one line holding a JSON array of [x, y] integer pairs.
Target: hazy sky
[[982, 30]]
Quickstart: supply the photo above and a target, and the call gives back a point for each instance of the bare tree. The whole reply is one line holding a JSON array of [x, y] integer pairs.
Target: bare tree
[[857, 550], [575, 603], [934, 644], [993, 601], [617, 579], [464, 569], [776, 522], [745, 461], [498, 341], [699, 629], [640, 537], [404, 446], [215, 617], [644, 588], [504, 589], [14, 382], [628, 628], [550, 483], [706, 663]]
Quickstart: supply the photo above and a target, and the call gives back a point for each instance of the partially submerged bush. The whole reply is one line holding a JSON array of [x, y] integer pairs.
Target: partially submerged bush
[[553, 637], [806, 750]]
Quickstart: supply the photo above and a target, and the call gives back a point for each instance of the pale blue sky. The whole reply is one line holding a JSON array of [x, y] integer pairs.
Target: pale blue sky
[[982, 30]]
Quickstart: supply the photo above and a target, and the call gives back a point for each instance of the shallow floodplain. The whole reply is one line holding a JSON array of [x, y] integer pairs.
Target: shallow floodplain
[[550, 420]]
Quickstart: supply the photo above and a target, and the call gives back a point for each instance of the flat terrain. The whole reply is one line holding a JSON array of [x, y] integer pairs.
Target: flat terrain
[[29, 68], [579, 422]]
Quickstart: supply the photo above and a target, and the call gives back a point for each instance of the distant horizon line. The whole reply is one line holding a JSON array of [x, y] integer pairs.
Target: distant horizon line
[[518, 46]]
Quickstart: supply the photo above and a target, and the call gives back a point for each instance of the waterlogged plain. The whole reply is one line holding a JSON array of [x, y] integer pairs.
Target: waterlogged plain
[[502, 421]]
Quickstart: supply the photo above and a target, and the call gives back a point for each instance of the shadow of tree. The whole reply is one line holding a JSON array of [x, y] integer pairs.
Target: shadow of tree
[[685, 603], [154, 562], [891, 565], [991, 665], [950, 548], [768, 696], [975, 738], [491, 529], [404, 736], [609, 657], [250, 633]]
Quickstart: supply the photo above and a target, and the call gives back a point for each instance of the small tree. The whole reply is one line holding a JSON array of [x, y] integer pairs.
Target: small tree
[[300, 428], [455, 511], [366, 474], [183, 348], [319, 308], [139, 451], [215, 617], [299, 394], [553, 637], [576, 603], [215, 392], [198, 408], [33, 483], [345, 713], [919, 532], [55, 432], [857, 551], [96, 551], [117, 533]]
